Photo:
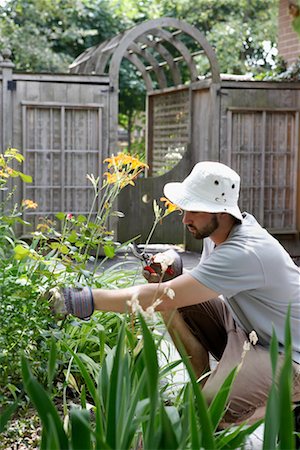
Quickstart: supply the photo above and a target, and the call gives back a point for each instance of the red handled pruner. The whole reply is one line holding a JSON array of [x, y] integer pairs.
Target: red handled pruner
[[148, 260]]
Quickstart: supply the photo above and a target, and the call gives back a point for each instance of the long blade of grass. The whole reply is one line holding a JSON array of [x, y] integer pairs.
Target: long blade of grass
[[51, 363], [151, 363], [86, 376], [235, 439], [6, 415], [115, 391], [132, 422], [217, 407], [272, 408], [43, 404], [168, 439], [271, 420], [286, 417], [81, 433], [52, 439], [100, 437], [195, 432], [207, 436]]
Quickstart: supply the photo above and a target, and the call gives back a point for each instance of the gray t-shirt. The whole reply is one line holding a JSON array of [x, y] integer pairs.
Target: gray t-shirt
[[257, 279]]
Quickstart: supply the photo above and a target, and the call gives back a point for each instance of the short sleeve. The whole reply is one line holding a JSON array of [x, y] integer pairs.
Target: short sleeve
[[229, 269]]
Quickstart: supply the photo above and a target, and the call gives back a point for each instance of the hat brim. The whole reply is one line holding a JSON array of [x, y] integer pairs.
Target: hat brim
[[178, 194]]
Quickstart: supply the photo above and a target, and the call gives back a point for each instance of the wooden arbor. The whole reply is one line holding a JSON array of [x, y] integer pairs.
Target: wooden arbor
[[157, 49], [252, 126]]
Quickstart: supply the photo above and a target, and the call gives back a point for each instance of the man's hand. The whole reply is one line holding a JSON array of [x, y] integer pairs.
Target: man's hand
[[76, 301], [163, 267]]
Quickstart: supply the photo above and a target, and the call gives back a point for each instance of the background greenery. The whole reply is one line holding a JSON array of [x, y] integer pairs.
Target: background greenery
[[47, 35]]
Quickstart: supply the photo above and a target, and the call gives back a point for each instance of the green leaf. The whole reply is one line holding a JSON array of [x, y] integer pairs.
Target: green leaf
[[73, 237], [109, 251], [274, 352], [25, 178], [235, 439], [51, 363], [21, 252], [60, 216], [168, 439], [152, 367], [81, 433], [115, 390], [44, 406], [81, 219], [87, 378], [271, 419], [218, 405], [286, 422], [64, 249], [207, 437], [195, 433], [6, 415]]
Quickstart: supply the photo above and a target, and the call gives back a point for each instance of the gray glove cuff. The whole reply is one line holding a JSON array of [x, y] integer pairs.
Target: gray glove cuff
[[79, 301]]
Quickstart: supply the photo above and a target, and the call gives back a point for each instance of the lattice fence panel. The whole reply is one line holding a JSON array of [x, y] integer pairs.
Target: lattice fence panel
[[263, 148], [62, 144], [170, 130]]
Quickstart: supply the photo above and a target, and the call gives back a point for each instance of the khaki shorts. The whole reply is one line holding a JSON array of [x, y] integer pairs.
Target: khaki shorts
[[213, 325]]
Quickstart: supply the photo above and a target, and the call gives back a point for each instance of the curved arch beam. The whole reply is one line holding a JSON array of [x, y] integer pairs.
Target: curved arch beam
[[166, 56], [143, 28], [159, 72], [181, 48], [130, 37], [140, 66]]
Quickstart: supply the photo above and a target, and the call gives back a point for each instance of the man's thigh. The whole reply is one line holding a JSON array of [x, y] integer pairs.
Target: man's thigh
[[213, 324]]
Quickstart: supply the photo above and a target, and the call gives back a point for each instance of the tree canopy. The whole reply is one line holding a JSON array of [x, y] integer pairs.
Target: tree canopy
[[47, 35]]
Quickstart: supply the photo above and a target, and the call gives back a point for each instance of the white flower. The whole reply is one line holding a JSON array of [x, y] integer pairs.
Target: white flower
[[150, 311], [253, 338], [169, 293], [135, 304], [246, 347], [164, 260]]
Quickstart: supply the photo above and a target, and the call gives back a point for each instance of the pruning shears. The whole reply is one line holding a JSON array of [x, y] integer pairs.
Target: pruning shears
[[148, 260]]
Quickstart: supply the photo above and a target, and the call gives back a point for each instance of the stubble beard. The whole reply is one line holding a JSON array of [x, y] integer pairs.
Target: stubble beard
[[205, 231]]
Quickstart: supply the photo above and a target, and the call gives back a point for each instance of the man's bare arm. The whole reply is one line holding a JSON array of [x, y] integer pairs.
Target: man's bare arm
[[187, 291]]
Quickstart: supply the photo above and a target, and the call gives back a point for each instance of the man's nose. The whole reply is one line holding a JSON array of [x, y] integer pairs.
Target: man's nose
[[186, 219]]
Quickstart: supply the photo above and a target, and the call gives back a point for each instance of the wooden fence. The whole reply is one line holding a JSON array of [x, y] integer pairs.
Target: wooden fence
[[60, 125], [253, 127]]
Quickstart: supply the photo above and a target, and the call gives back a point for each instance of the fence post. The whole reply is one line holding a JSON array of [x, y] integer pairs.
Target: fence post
[[6, 67]]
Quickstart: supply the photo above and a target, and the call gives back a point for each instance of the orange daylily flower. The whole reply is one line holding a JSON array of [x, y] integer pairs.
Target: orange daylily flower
[[29, 204], [169, 205], [124, 169]]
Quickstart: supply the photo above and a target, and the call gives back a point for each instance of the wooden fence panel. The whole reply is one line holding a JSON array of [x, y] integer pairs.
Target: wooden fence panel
[[169, 133], [60, 124], [263, 149], [63, 143]]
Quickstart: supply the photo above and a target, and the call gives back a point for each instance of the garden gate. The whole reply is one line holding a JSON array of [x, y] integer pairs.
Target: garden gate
[[253, 126]]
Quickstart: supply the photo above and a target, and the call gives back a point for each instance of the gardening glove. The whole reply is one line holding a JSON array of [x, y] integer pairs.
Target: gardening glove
[[163, 266], [70, 300]]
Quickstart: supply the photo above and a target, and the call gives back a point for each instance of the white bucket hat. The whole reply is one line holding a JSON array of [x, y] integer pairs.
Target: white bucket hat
[[210, 187]]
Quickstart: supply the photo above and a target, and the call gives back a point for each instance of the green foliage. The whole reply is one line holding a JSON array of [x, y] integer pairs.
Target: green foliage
[[46, 35], [283, 73], [53, 258], [128, 406]]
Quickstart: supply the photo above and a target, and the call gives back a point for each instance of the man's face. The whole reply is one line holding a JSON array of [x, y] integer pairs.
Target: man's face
[[200, 224]]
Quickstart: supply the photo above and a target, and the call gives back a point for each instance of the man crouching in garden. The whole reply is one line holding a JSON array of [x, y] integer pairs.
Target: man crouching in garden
[[243, 286]]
